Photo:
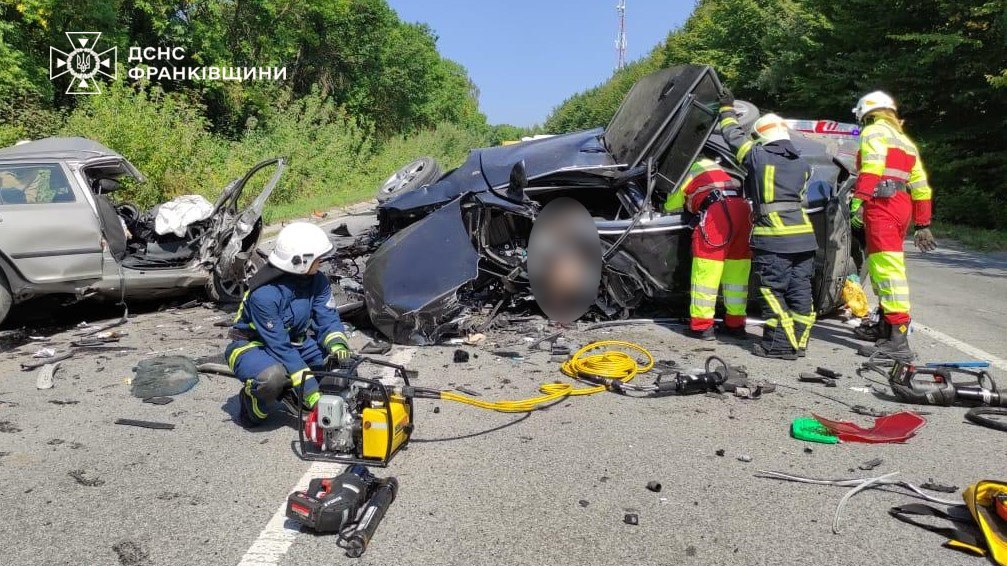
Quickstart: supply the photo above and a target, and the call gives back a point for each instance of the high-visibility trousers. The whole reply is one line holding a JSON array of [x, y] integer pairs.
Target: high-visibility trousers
[[721, 260], [886, 221], [787, 299]]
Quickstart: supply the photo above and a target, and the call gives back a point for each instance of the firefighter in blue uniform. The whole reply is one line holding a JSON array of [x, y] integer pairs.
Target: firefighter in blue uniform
[[272, 347]]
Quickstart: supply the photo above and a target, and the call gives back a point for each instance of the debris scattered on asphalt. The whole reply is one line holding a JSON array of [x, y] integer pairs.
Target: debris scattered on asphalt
[[8, 427], [631, 519], [145, 424], [690, 550], [744, 458], [377, 347], [28, 366], [461, 356], [189, 305], [437, 410], [810, 430], [509, 354], [98, 339], [92, 330], [871, 464], [81, 477], [44, 353], [64, 402], [549, 339], [654, 486], [583, 502], [40, 339], [826, 372], [933, 486], [46, 375], [857, 485], [131, 553], [815, 378], [898, 427], [475, 339], [720, 452], [158, 400], [808, 450], [341, 230], [163, 376]]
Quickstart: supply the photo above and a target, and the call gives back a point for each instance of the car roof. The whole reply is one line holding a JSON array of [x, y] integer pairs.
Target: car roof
[[76, 148]]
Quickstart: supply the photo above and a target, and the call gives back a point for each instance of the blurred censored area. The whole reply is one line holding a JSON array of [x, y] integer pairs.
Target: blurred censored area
[[564, 260]]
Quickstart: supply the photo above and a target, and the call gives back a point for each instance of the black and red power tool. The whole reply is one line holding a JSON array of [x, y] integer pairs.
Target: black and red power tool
[[351, 505]]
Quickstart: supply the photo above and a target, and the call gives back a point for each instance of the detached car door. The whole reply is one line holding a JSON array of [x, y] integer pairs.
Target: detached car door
[[48, 230]]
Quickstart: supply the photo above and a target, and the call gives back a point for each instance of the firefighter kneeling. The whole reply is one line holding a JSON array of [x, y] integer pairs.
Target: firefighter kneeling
[[272, 348]]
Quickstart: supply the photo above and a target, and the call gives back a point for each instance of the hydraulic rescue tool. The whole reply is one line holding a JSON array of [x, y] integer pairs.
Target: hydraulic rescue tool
[[351, 504], [935, 384]]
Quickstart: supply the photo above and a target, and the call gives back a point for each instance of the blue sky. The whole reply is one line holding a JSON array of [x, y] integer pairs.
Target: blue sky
[[527, 56]]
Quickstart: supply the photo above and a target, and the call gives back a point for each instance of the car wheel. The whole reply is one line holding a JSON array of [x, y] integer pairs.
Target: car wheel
[[6, 300], [414, 175], [223, 289]]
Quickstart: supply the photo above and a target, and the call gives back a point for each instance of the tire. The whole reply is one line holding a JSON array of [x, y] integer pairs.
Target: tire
[[981, 416], [412, 176], [6, 300], [224, 291]]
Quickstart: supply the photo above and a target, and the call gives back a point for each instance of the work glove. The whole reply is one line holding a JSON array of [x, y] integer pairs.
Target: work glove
[[924, 240], [340, 353], [857, 213], [726, 98]]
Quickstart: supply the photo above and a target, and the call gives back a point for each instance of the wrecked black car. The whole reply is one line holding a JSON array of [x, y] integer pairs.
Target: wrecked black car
[[446, 247]]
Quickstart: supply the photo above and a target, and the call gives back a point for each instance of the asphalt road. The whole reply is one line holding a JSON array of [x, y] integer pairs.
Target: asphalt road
[[485, 488]]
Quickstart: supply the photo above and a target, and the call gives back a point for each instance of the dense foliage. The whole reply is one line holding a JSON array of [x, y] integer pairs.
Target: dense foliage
[[945, 61], [362, 88]]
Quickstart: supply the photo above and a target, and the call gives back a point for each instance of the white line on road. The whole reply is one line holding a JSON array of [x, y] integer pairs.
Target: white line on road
[[961, 346], [279, 533]]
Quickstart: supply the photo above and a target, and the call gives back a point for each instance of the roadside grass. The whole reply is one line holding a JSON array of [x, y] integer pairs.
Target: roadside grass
[[980, 239], [303, 207]]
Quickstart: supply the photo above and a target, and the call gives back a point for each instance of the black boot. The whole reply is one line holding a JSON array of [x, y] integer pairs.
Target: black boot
[[739, 333], [774, 345], [872, 332], [706, 334], [896, 346]]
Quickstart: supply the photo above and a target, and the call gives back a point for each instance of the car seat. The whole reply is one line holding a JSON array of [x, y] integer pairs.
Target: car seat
[[12, 196]]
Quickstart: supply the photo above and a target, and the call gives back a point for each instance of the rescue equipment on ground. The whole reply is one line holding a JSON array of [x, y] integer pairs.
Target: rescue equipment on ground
[[979, 526], [351, 505], [357, 420], [935, 384], [810, 430]]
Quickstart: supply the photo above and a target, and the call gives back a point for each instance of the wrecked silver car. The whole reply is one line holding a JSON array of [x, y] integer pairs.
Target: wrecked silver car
[[61, 232], [444, 250]]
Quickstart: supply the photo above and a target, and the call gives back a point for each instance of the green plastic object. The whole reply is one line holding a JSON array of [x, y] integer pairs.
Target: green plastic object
[[811, 430]]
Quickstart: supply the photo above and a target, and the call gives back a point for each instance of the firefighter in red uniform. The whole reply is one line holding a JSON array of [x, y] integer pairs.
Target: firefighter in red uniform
[[720, 254], [891, 190]]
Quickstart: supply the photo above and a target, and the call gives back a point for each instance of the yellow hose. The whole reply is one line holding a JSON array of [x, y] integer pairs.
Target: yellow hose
[[611, 364]]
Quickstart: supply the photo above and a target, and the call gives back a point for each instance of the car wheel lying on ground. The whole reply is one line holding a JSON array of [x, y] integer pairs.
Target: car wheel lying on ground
[[459, 246], [61, 233]]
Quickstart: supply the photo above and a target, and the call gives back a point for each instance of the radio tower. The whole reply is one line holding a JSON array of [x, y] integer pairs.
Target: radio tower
[[620, 42]]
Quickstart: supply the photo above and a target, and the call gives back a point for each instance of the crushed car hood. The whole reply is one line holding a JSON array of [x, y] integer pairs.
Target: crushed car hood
[[411, 282], [544, 156]]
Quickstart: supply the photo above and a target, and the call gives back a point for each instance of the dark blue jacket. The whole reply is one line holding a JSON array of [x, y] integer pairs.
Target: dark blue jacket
[[281, 312]]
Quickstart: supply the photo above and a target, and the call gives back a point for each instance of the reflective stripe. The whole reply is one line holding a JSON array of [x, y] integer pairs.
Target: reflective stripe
[[769, 184], [233, 358], [254, 402], [241, 307], [703, 302], [808, 321], [873, 157], [744, 149], [895, 173], [731, 287], [297, 377], [334, 336], [782, 231], [888, 272], [312, 399], [785, 321], [727, 122], [729, 300], [706, 274], [919, 184], [697, 288]]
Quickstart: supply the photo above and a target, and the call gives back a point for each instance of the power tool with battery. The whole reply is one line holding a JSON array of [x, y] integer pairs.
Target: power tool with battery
[[351, 505], [357, 420]]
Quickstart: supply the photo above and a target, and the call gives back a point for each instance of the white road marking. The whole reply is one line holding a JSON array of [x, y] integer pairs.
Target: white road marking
[[961, 346], [279, 533]]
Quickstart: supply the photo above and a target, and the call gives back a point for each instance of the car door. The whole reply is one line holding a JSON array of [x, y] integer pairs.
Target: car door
[[48, 230]]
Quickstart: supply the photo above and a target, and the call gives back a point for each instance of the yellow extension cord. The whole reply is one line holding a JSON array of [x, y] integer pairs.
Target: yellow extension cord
[[611, 364]]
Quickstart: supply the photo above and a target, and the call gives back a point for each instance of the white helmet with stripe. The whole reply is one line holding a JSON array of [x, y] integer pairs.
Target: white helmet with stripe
[[876, 100], [770, 128], [298, 245]]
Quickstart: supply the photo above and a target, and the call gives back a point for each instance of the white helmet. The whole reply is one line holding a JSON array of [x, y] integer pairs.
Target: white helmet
[[297, 246], [876, 100], [770, 128]]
